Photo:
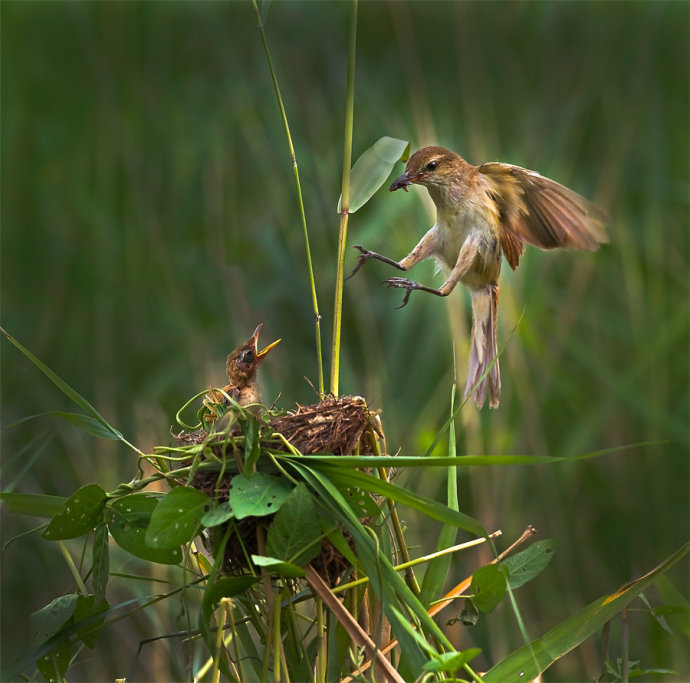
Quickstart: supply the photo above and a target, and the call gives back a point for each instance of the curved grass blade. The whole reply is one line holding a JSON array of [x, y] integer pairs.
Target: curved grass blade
[[35, 504], [63, 386], [347, 461], [429, 507], [88, 424], [523, 665], [437, 572]]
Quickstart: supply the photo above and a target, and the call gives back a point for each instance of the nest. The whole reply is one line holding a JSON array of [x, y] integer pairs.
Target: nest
[[335, 425], [338, 426]]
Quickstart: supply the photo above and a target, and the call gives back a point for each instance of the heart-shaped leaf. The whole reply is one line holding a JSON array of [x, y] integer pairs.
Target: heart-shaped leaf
[[175, 520], [82, 511], [128, 519], [489, 586], [259, 495], [295, 533], [525, 565]]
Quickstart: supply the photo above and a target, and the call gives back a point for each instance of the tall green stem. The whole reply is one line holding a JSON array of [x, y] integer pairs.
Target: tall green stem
[[344, 201], [315, 303]]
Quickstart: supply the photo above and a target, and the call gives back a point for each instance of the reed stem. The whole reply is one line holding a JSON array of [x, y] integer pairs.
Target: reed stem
[[344, 202]]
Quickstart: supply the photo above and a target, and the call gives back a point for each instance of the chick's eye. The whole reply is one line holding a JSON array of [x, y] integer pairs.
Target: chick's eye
[[248, 356], [431, 165]]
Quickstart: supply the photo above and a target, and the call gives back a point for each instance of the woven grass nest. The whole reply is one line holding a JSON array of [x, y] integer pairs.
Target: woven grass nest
[[337, 426]]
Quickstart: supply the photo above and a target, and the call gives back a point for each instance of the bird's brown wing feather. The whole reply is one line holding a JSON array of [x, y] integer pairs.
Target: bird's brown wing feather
[[541, 212]]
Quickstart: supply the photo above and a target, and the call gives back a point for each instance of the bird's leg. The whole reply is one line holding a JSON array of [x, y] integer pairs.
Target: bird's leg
[[466, 259], [366, 255], [409, 285], [426, 247]]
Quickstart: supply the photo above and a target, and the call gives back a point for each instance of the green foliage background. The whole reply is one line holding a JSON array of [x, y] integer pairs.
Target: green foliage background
[[149, 222]]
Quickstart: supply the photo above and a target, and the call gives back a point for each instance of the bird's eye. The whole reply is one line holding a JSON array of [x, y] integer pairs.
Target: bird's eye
[[248, 356], [431, 165]]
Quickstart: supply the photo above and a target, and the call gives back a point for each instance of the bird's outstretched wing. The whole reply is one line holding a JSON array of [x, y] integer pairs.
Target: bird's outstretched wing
[[539, 211]]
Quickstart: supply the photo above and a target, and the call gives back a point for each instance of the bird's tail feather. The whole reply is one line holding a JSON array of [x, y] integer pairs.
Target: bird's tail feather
[[484, 347]]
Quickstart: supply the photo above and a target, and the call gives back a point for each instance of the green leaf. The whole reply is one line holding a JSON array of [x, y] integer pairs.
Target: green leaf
[[295, 533], [88, 424], [34, 504], [488, 586], [436, 573], [84, 422], [372, 168], [128, 519], [226, 588], [81, 513], [219, 514], [431, 508], [63, 386], [175, 520], [279, 567], [361, 502], [388, 586], [451, 661], [400, 461], [530, 661], [250, 429], [525, 565], [412, 632], [88, 606], [100, 561], [53, 666], [673, 598], [48, 620], [258, 496], [13, 669]]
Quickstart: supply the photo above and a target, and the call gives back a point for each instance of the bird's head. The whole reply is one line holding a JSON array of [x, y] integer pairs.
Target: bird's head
[[245, 359], [430, 166]]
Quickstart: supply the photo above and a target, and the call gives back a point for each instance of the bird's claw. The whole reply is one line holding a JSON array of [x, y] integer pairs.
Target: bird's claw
[[364, 257], [402, 283]]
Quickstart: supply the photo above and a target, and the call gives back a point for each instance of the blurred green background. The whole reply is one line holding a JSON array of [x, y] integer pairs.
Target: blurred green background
[[149, 222]]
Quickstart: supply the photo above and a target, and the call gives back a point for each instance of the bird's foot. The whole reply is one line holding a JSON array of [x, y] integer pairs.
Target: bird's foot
[[403, 283], [366, 255]]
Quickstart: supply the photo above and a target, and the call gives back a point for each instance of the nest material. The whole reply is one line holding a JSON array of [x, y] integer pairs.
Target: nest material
[[335, 425], [339, 426]]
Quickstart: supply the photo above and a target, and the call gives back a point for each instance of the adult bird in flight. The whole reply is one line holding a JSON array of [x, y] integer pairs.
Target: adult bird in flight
[[483, 212]]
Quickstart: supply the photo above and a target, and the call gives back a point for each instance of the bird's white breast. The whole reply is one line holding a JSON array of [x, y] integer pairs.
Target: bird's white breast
[[453, 227]]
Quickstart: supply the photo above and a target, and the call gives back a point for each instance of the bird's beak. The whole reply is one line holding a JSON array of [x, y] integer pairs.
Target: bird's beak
[[404, 180], [260, 355]]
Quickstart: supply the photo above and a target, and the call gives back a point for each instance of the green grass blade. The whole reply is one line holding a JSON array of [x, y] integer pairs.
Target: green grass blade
[[525, 665], [386, 583], [34, 504], [63, 386], [461, 460], [84, 422], [429, 507], [437, 571]]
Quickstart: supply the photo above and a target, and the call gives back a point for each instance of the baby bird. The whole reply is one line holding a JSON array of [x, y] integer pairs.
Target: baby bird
[[241, 366]]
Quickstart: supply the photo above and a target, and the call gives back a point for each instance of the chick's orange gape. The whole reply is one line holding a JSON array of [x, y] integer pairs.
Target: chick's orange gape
[[483, 212]]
